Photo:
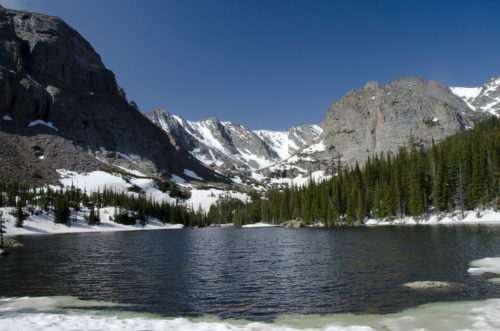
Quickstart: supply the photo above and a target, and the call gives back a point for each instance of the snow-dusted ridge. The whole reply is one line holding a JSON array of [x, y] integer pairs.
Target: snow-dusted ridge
[[225, 145], [485, 98]]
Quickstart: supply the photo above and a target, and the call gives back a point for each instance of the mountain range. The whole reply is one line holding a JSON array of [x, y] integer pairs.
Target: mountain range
[[371, 120], [60, 108]]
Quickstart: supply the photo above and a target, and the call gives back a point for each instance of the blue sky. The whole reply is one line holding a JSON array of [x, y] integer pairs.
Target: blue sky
[[275, 64]]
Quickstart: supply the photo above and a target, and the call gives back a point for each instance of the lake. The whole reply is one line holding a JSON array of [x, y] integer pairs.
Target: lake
[[256, 274]]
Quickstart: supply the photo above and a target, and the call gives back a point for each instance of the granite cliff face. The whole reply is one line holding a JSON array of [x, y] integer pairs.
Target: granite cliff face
[[375, 119], [50, 74]]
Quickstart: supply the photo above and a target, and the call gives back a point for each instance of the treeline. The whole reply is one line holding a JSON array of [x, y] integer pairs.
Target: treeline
[[460, 173], [64, 204]]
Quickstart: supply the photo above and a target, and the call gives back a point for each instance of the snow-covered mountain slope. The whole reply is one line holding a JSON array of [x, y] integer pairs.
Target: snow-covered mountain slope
[[288, 143], [485, 98], [230, 147]]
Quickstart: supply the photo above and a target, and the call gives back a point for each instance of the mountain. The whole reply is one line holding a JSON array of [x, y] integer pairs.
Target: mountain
[[231, 148], [370, 120], [378, 119], [484, 99], [61, 108]]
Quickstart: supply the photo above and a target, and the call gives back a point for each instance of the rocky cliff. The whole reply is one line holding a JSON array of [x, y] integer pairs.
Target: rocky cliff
[[375, 119], [55, 91]]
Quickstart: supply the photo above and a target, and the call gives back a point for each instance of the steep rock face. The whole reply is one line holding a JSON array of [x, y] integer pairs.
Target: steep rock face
[[48, 72], [376, 119]]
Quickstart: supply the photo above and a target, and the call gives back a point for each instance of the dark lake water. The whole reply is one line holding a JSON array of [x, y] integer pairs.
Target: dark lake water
[[255, 273]]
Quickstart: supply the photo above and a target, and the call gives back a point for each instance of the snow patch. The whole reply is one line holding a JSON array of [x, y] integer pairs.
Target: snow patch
[[7, 118], [192, 174], [259, 225], [302, 180], [126, 157], [206, 198], [133, 172], [318, 147], [466, 92], [257, 176], [40, 122], [486, 265], [179, 181], [31, 78]]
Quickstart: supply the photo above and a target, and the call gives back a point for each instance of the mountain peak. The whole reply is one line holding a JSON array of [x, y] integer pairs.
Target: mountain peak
[[50, 74], [371, 86]]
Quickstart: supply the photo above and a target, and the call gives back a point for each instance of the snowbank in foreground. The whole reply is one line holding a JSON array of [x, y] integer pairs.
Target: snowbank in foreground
[[67, 313], [44, 224], [487, 216]]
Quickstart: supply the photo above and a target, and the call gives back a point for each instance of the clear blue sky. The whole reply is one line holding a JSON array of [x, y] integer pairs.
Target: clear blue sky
[[275, 64]]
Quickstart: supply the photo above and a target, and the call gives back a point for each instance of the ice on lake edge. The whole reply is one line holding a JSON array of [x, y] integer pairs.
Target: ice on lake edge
[[51, 313]]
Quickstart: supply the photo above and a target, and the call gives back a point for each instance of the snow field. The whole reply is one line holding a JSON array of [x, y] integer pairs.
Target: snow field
[[43, 223]]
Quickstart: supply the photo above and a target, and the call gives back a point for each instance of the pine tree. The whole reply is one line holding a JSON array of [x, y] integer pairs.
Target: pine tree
[[91, 219], [2, 229], [20, 216]]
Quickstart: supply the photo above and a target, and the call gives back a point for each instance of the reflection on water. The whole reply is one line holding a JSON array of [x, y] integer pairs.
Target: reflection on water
[[255, 273]]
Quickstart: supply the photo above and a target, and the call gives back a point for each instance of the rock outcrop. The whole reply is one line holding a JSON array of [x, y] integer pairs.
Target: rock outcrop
[[49, 73], [380, 119]]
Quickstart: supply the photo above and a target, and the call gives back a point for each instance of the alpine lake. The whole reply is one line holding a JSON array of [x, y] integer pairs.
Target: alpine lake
[[256, 274]]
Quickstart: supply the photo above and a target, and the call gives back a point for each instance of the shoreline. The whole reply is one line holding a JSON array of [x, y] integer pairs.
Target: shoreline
[[471, 217], [43, 223]]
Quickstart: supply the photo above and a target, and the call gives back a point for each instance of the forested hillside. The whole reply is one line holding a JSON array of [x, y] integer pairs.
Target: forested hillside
[[460, 173]]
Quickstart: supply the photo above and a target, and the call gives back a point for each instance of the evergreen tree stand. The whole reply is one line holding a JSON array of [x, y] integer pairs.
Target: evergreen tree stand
[[2, 230]]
